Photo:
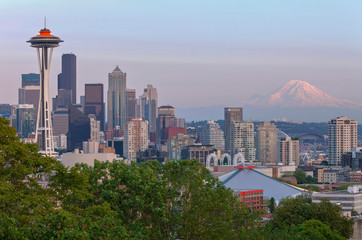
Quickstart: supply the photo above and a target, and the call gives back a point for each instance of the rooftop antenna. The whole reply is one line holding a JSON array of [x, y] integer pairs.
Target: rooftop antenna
[[45, 22]]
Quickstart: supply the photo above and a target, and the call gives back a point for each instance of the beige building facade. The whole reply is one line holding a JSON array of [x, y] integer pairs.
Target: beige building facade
[[267, 143]]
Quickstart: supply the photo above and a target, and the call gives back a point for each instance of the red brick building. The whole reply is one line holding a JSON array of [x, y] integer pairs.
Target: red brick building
[[254, 199]]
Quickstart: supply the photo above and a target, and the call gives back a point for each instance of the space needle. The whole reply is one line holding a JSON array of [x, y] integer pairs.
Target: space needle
[[44, 44]]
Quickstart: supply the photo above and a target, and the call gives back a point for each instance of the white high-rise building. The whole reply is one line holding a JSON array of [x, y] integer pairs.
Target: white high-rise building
[[267, 141], [135, 138], [95, 128], [342, 137], [289, 151], [213, 135], [242, 139]]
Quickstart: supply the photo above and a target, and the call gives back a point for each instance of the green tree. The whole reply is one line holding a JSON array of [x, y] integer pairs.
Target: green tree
[[271, 205], [300, 175], [293, 212]]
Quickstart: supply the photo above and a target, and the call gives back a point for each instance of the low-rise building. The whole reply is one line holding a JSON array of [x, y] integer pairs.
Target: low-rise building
[[350, 199], [253, 199], [199, 152], [70, 159]]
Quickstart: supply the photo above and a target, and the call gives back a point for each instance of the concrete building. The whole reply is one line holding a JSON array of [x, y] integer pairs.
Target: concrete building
[[342, 137], [213, 135], [289, 151], [70, 159], [242, 139], [117, 99], [68, 78], [231, 114], [60, 121], [176, 144], [267, 143], [350, 199], [136, 138], [94, 102], [90, 146], [197, 152], [95, 128]]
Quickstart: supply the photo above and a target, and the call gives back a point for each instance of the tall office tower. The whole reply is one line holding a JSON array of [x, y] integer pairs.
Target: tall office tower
[[267, 143], [94, 103], [131, 104], [231, 114], [166, 119], [68, 78], [44, 44], [29, 94], [149, 101], [242, 139], [60, 121], [79, 128], [136, 138], [25, 123], [63, 99], [342, 137], [213, 135], [30, 79], [117, 99], [289, 151], [95, 128], [5, 111], [175, 145]]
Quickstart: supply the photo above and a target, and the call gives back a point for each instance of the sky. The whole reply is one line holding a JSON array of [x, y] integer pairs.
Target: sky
[[196, 53]]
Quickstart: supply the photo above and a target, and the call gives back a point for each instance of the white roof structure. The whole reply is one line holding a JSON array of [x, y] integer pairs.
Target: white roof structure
[[253, 180]]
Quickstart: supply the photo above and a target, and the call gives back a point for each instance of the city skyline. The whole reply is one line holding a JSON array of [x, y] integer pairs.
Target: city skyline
[[245, 46]]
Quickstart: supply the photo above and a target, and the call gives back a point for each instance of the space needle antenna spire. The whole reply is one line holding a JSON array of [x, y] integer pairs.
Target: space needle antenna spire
[[44, 44]]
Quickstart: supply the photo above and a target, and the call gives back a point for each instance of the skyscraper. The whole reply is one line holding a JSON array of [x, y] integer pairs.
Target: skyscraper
[[242, 139], [44, 42], [25, 123], [131, 104], [289, 151], [267, 143], [342, 137], [94, 103], [213, 135], [79, 128], [167, 122], [231, 114], [117, 99], [30, 79], [136, 138], [149, 102], [68, 78]]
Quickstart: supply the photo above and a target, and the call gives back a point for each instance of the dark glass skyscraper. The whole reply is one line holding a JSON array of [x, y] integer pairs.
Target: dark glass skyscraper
[[30, 79], [68, 78], [79, 128], [94, 103]]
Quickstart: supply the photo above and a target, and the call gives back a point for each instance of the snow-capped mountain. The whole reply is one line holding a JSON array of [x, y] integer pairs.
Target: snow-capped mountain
[[297, 93]]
